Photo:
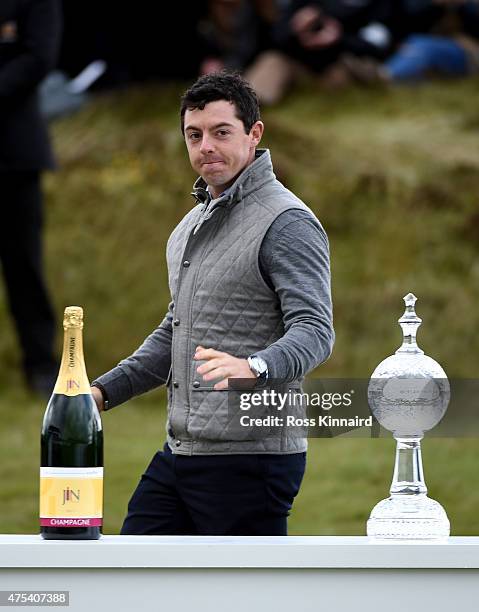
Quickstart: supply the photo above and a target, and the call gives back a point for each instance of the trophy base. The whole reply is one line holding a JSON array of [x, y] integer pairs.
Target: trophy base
[[408, 517]]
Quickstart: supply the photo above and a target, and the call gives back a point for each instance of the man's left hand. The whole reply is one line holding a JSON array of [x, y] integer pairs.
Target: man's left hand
[[221, 366]]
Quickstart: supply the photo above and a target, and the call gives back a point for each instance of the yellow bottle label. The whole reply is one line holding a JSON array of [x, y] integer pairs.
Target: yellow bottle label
[[72, 378], [71, 385], [71, 497]]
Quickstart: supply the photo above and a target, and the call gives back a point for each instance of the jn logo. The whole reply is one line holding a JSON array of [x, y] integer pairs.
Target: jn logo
[[69, 495], [72, 384]]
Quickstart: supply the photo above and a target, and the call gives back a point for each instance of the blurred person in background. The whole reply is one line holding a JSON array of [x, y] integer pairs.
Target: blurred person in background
[[161, 39], [235, 32], [441, 39], [150, 41], [30, 33], [313, 36]]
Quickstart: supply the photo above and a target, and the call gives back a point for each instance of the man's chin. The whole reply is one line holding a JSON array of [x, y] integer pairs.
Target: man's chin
[[213, 179]]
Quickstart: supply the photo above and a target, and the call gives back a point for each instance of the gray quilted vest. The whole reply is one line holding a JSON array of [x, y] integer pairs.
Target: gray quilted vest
[[221, 301]]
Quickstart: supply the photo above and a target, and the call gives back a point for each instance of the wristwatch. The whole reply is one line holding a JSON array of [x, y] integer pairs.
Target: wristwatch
[[106, 403], [259, 367]]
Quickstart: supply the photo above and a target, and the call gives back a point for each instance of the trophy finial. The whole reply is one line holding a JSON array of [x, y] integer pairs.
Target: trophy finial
[[410, 299], [409, 323]]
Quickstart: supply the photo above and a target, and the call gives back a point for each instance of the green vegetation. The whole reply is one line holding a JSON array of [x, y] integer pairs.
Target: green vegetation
[[393, 176]]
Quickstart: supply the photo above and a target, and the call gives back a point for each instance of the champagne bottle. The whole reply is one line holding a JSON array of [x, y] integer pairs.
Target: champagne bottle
[[71, 472]]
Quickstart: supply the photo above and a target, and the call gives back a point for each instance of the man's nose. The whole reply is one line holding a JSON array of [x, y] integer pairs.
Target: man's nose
[[206, 144]]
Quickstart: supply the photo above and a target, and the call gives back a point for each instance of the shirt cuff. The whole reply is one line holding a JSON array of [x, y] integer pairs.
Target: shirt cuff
[[115, 387]]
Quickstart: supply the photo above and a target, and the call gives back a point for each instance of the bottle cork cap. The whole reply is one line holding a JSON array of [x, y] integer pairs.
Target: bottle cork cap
[[73, 317]]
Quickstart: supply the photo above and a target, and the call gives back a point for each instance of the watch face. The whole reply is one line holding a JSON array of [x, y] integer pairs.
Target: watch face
[[258, 366], [253, 366]]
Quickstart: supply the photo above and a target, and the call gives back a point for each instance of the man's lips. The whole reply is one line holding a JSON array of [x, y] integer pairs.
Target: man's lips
[[213, 162]]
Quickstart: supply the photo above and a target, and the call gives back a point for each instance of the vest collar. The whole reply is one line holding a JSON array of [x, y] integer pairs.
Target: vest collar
[[254, 176]]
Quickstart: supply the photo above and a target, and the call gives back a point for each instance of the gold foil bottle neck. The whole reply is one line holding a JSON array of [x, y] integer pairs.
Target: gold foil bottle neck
[[73, 317]]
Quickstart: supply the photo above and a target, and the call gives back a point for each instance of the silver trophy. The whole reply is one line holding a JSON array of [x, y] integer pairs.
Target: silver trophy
[[408, 394]]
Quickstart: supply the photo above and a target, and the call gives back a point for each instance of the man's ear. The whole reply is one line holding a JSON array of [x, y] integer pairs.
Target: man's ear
[[256, 133]]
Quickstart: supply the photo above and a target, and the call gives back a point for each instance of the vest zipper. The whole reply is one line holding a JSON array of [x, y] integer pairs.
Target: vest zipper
[[190, 307], [189, 241]]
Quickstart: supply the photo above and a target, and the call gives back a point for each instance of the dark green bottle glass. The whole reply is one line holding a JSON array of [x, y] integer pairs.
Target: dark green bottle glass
[[71, 472]]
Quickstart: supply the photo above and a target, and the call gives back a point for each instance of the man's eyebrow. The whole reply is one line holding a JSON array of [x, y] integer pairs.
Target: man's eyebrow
[[214, 127]]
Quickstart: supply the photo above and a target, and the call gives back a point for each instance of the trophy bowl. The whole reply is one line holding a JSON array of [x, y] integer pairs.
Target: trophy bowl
[[408, 395]]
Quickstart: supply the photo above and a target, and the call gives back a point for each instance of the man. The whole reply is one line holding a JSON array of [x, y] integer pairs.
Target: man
[[315, 35], [441, 38], [29, 41], [249, 279]]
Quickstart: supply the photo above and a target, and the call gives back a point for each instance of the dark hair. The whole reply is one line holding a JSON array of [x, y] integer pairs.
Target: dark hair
[[224, 85]]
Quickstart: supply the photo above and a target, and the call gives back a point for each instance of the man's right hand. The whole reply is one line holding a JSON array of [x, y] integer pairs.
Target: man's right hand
[[314, 29], [98, 397]]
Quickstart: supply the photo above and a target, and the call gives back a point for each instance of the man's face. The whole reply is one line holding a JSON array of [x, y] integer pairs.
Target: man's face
[[218, 146]]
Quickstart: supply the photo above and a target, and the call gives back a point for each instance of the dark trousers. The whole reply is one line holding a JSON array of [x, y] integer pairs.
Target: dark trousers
[[215, 495], [21, 260]]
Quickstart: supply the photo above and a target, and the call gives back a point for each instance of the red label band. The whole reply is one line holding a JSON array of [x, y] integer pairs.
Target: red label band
[[70, 522]]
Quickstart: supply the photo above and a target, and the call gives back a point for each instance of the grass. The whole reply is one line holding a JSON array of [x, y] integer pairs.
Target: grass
[[394, 178]]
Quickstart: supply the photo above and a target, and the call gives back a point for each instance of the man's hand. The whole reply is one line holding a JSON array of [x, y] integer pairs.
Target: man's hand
[[221, 366], [314, 29], [98, 397], [306, 19]]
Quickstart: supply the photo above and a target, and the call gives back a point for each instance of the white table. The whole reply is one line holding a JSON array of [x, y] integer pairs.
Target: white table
[[233, 574]]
